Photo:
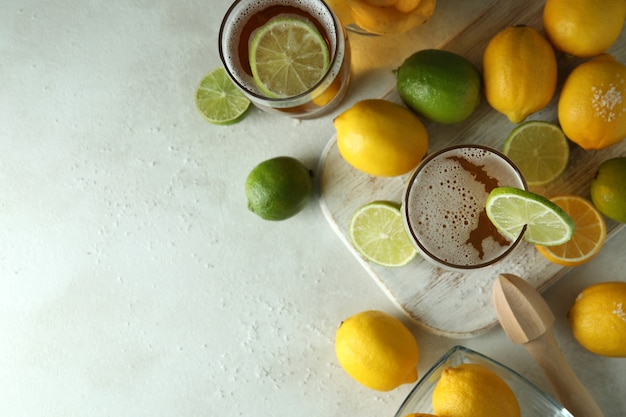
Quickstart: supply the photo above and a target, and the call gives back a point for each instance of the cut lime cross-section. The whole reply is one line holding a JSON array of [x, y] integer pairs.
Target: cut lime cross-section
[[539, 149], [510, 209], [377, 233], [219, 101], [288, 56]]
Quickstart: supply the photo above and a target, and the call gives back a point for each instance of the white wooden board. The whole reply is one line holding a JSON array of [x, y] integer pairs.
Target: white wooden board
[[456, 304]]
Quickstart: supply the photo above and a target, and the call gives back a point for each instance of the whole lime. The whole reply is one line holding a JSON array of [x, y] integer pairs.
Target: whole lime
[[608, 189], [440, 85], [278, 188]]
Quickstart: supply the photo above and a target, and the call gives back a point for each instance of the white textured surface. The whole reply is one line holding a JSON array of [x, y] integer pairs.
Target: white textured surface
[[133, 280]]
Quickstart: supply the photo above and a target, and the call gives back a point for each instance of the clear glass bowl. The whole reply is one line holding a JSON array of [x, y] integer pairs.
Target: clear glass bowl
[[533, 401]]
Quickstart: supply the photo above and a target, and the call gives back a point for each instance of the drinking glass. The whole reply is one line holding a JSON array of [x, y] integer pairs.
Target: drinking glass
[[239, 24], [444, 207]]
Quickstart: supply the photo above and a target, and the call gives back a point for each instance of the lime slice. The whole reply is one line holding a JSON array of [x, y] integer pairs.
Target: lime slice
[[288, 56], [510, 209], [540, 151], [377, 233], [219, 101]]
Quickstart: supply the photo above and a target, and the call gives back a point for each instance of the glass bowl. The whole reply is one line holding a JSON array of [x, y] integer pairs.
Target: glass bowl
[[533, 401]]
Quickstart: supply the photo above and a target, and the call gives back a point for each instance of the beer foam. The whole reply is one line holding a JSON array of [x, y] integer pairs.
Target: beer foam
[[445, 205], [239, 15]]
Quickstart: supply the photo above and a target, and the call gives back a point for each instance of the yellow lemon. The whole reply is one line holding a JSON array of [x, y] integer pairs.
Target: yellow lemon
[[377, 350], [592, 104], [519, 72], [598, 318], [381, 138], [583, 28], [471, 389], [399, 17]]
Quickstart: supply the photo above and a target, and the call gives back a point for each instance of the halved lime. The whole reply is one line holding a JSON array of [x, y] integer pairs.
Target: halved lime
[[377, 233], [539, 149], [288, 56], [510, 209], [219, 101]]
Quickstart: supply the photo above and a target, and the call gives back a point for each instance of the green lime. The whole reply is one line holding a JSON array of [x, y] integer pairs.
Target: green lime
[[377, 232], [219, 101], [510, 209], [288, 56], [278, 188], [608, 189], [540, 151], [440, 85]]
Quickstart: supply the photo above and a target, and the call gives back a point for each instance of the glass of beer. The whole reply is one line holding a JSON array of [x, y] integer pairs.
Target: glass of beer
[[444, 207], [239, 26]]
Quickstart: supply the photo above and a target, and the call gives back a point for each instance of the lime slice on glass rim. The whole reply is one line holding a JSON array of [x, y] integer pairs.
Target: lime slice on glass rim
[[539, 149], [219, 101], [510, 209], [288, 56], [377, 232]]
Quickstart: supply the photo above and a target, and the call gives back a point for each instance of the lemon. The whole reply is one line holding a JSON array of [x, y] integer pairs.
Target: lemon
[[589, 233], [440, 85], [420, 415], [510, 209], [608, 189], [592, 104], [377, 232], [278, 188], [288, 56], [218, 100], [377, 350], [470, 389], [598, 318], [583, 28], [539, 149], [398, 16], [381, 138], [519, 72]]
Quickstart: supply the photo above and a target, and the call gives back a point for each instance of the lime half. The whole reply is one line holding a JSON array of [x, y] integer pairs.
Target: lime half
[[219, 101], [288, 56], [539, 149], [377, 233], [510, 209]]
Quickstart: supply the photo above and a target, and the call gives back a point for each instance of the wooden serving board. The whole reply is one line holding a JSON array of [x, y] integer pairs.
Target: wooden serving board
[[448, 303]]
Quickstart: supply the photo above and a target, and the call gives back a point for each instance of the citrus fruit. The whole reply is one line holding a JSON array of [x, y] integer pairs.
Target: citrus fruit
[[519, 72], [288, 56], [591, 107], [583, 28], [440, 85], [381, 138], [398, 17], [598, 318], [377, 232], [510, 209], [589, 233], [377, 350], [218, 100], [470, 389], [608, 189], [278, 188], [539, 149]]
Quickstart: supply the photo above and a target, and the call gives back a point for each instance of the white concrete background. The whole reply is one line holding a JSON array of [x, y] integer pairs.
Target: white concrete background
[[133, 280]]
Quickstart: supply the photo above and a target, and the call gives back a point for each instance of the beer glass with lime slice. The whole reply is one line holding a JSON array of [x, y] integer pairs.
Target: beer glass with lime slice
[[287, 56]]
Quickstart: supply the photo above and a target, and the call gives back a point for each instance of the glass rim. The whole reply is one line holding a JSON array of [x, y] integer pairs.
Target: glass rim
[[338, 29], [417, 241]]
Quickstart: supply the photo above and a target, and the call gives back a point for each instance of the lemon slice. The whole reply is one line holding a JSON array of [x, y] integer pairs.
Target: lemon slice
[[288, 56], [377, 233], [540, 151], [589, 236], [219, 101], [510, 209]]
